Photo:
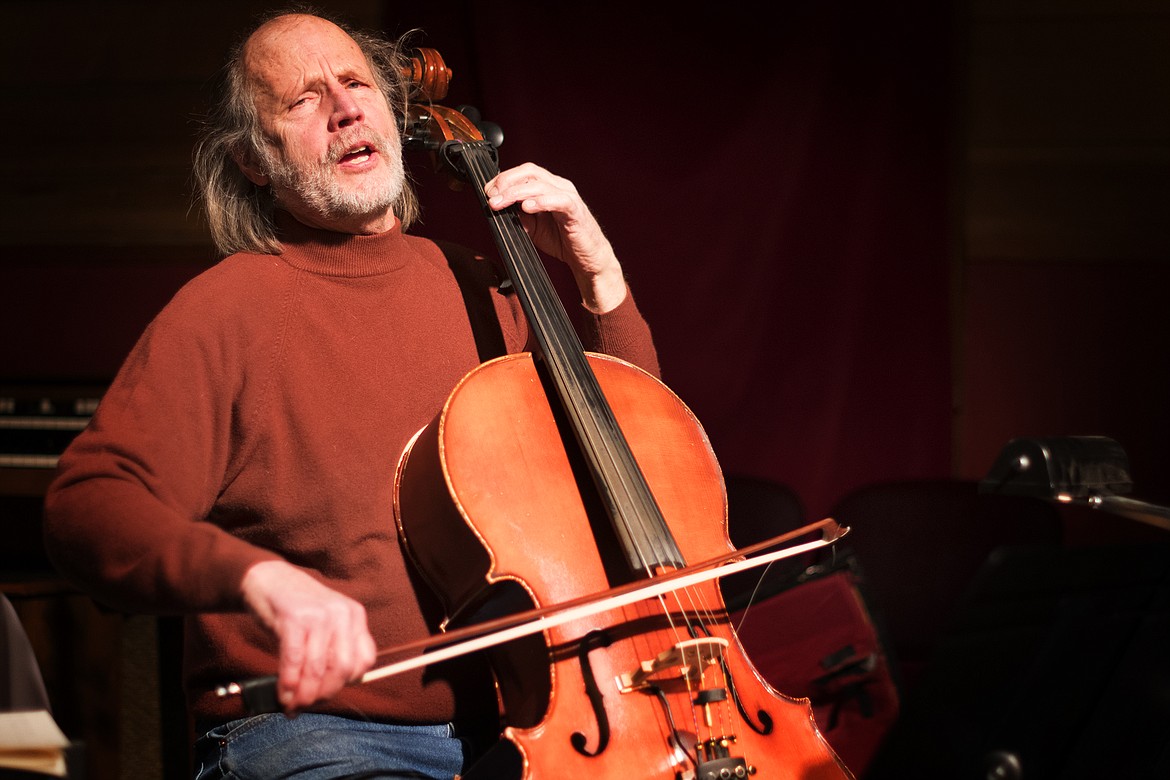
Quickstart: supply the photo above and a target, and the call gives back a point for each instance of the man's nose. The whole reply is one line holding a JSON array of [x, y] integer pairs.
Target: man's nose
[[346, 110]]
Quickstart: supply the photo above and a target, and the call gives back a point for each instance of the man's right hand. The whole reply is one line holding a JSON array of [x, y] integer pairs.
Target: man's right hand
[[325, 642]]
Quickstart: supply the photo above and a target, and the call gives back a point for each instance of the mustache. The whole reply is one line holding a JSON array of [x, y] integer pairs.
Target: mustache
[[344, 144]]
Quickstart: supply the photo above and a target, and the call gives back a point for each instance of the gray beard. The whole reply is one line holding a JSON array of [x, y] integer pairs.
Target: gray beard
[[316, 184]]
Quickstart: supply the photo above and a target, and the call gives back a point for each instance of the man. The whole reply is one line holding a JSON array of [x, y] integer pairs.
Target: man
[[239, 470]]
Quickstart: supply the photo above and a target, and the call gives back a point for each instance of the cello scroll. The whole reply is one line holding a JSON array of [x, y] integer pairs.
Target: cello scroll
[[428, 126]]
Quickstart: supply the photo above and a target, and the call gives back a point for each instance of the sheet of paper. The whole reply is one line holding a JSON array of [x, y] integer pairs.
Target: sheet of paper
[[31, 740]]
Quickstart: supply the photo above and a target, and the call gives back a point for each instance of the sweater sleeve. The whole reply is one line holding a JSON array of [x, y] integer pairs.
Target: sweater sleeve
[[124, 516], [622, 333]]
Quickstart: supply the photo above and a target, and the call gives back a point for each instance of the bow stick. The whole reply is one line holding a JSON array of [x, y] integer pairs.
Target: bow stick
[[259, 694]]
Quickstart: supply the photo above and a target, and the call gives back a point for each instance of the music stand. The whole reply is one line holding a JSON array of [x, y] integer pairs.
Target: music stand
[[1070, 469]]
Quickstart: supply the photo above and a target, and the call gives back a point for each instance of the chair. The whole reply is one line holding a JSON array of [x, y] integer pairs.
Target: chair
[[757, 510], [808, 630], [1040, 663], [920, 543]]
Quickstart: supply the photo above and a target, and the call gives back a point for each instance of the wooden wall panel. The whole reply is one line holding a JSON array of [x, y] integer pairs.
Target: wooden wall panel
[[1063, 206], [1065, 244], [1067, 134]]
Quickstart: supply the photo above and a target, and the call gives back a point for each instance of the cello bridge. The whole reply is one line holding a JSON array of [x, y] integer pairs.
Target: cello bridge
[[685, 661]]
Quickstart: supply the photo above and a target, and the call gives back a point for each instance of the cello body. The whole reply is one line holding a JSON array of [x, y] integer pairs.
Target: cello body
[[495, 509], [552, 476]]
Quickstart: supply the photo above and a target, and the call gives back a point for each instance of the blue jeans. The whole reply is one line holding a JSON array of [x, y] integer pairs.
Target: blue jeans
[[312, 746]]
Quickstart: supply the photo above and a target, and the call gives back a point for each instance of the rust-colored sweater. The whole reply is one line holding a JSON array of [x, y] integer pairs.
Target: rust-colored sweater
[[261, 415]]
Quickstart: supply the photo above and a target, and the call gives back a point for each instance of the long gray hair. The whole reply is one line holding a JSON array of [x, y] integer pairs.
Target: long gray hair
[[239, 212]]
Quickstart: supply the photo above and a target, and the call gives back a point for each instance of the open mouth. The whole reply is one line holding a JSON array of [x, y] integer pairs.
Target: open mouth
[[357, 155]]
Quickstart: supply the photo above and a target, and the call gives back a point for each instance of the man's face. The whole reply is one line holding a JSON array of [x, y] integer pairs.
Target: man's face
[[333, 155]]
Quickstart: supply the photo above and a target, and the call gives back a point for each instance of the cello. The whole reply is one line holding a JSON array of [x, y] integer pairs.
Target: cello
[[551, 476]]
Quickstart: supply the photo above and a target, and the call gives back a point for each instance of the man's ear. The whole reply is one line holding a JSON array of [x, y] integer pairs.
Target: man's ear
[[247, 164]]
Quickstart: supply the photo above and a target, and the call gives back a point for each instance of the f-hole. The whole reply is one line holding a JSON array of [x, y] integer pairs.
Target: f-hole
[[592, 640]]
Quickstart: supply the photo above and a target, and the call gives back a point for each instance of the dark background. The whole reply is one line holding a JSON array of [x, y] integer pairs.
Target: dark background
[[875, 241]]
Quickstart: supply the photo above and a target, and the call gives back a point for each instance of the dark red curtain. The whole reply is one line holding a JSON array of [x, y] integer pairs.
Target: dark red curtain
[[776, 186]]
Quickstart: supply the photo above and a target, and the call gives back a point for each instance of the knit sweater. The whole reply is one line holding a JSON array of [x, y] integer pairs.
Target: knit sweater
[[260, 416]]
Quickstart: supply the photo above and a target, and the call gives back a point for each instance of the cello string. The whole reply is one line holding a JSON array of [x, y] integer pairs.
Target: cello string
[[528, 275], [570, 371], [534, 281], [528, 270], [587, 439]]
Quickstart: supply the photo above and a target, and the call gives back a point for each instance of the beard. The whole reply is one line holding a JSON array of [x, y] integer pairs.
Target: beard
[[315, 184]]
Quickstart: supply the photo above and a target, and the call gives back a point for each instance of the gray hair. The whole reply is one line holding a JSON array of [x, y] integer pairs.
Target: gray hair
[[239, 212]]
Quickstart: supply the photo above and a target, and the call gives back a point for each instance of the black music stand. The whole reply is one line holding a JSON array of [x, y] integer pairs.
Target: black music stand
[[1054, 655], [1093, 470]]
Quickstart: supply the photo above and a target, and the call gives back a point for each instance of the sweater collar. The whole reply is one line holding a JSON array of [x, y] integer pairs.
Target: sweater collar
[[340, 254]]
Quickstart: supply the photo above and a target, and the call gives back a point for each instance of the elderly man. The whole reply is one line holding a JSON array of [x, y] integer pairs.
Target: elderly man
[[239, 469]]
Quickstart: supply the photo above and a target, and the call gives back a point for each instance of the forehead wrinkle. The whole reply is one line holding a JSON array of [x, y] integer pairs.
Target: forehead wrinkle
[[281, 48]]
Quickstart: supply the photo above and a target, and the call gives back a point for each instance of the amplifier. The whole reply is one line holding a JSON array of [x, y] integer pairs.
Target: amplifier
[[37, 422]]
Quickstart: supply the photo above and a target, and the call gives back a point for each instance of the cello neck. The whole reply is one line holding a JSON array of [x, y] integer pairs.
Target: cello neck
[[634, 514]]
